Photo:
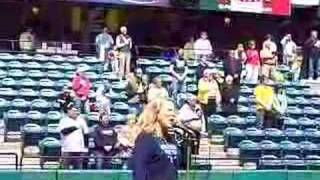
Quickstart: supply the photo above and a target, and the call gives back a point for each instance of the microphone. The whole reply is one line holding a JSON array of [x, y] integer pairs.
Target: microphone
[[184, 128]]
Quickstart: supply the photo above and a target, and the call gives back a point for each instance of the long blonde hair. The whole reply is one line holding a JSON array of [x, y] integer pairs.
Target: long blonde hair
[[150, 120]]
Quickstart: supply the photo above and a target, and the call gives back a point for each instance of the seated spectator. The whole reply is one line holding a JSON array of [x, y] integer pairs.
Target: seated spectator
[[156, 90], [279, 105], [208, 94], [103, 101], [230, 96], [179, 71], [252, 63], [137, 87], [27, 40], [264, 99], [81, 85], [74, 130], [191, 116], [105, 140]]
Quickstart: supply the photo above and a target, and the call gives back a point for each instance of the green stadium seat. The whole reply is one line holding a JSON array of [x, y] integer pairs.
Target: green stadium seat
[[40, 58], [67, 67], [14, 120], [93, 118], [28, 83], [4, 106], [249, 151], [32, 134], [57, 59], [117, 119], [6, 57], [33, 65], [110, 77], [36, 74], [50, 66], [290, 148], [274, 135], [15, 65], [20, 104], [17, 74], [121, 108], [50, 150], [254, 134], [3, 65], [53, 117], [92, 60], [74, 59], [9, 83], [233, 136], [3, 74], [28, 94], [118, 87], [60, 84], [69, 75], [46, 83], [36, 117], [55, 75], [49, 94], [92, 76], [53, 131], [40, 105], [8, 93]]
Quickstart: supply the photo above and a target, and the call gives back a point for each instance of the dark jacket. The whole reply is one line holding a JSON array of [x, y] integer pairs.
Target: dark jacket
[[232, 66], [150, 162], [230, 92], [104, 136]]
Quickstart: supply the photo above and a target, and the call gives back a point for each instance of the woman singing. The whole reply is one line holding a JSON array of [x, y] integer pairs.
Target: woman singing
[[154, 156]]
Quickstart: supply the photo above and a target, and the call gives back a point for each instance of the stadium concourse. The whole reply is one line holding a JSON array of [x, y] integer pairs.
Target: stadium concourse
[[31, 85]]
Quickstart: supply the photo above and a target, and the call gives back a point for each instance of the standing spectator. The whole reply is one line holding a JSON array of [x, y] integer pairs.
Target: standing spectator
[[289, 49], [113, 59], [233, 65], [252, 63], [27, 40], [230, 96], [312, 50], [203, 47], [209, 94], [104, 43], [269, 60], [105, 140], [188, 50], [81, 85], [74, 130], [156, 90], [179, 71], [270, 43], [264, 99], [124, 45]]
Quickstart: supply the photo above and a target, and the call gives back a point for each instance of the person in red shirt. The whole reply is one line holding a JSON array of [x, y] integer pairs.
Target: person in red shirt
[[252, 63], [81, 86]]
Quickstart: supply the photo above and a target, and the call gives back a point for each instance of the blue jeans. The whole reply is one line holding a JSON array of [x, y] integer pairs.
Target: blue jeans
[[314, 68], [177, 87]]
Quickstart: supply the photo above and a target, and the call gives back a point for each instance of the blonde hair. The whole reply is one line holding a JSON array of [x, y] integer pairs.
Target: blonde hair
[[150, 120]]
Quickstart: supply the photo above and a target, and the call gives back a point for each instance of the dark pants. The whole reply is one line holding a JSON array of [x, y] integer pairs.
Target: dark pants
[[209, 109], [314, 67], [73, 163], [229, 109], [266, 119]]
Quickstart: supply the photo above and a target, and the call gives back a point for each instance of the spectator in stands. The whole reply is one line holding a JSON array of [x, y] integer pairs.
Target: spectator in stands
[[81, 85], [74, 130], [252, 63], [270, 43], [188, 50], [156, 90], [137, 87], [179, 71], [233, 65], [124, 45], [230, 96], [203, 47], [312, 50], [104, 43], [27, 40], [113, 60], [279, 105], [209, 93], [296, 65], [155, 152], [269, 59], [264, 99], [289, 49], [103, 101], [191, 116], [105, 140], [65, 98]]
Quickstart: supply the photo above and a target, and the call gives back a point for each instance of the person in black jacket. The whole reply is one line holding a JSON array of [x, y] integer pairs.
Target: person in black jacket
[[233, 64], [230, 96], [154, 155], [311, 62], [106, 142]]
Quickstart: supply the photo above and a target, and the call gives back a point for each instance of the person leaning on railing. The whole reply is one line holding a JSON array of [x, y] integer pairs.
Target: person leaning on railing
[[27, 40]]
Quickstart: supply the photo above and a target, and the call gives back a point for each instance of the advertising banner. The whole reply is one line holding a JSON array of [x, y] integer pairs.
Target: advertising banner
[[306, 2]]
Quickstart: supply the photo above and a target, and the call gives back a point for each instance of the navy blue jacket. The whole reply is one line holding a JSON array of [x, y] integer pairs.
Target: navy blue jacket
[[150, 162]]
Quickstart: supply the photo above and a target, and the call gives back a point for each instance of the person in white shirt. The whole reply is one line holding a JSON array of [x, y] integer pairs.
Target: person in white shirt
[[104, 43], [203, 47], [73, 130], [156, 90], [289, 48], [124, 46], [27, 40]]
